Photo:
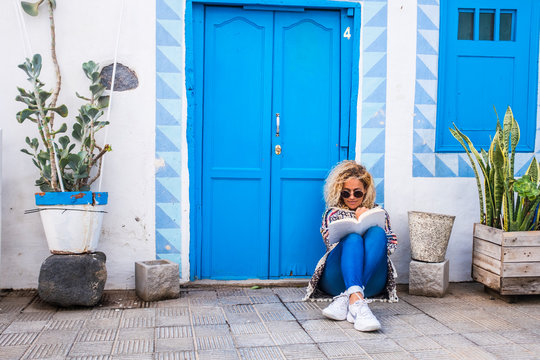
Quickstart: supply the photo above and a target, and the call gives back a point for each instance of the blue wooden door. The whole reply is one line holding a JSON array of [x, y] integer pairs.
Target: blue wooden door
[[261, 206], [485, 63]]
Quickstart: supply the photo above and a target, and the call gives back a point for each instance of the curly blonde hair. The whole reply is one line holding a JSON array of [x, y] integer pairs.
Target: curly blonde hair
[[342, 172]]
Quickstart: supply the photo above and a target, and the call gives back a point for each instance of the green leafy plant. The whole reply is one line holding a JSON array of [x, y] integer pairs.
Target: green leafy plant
[[64, 162], [505, 202]]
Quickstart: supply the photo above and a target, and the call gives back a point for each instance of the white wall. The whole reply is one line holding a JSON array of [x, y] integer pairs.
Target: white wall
[[85, 31]]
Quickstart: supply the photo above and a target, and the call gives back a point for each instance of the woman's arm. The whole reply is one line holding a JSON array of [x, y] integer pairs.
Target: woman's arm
[[330, 215]]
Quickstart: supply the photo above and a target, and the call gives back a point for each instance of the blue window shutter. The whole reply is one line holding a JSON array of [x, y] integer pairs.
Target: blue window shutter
[[486, 72]]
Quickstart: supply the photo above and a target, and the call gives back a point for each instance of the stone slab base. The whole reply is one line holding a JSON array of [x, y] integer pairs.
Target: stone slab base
[[428, 279]]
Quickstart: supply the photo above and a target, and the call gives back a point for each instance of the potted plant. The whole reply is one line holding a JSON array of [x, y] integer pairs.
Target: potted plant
[[68, 163], [506, 242]]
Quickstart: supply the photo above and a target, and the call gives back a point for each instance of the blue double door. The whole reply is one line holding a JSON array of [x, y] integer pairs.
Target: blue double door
[[272, 122]]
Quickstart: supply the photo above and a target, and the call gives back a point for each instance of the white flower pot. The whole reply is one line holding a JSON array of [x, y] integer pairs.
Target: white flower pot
[[72, 220]]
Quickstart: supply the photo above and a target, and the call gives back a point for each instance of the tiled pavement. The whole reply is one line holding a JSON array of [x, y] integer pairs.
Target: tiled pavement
[[268, 323]]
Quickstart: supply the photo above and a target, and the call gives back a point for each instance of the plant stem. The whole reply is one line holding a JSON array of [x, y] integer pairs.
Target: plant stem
[[56, 91]]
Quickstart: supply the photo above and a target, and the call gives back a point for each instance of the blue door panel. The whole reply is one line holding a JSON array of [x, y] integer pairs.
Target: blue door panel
[[236, 171], [306, 93]]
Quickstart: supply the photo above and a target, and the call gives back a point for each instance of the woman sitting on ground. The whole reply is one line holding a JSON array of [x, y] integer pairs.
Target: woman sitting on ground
[[357, 267]]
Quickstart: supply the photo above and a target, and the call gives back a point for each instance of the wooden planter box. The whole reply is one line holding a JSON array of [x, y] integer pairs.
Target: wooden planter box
[[507, 262]]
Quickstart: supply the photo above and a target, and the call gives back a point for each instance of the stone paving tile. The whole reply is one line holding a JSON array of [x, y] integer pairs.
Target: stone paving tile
[[302, 351], [521, 336], [45, 351], [242, 318], [331, 335], [452, 340], [234, 300], [135, 333], [260, 353], [175, 355], [305, 310], [486, 338], [283, 326], [91, 348], [253, 340], [438, 354], [471, 352], [133, 346], [89, 357], [510, 351], [25, 326], [374, 346], [248, 328], [292, 337], [174, 344], [217, 355], [290, 294], [319, 324], [264, 299], [354, 334], [400, 355], [12, 352], [173, 332], [343, 350], [17, 339], [57, 336], [214, 342], [211, 330], [64, 324], [417, 343]]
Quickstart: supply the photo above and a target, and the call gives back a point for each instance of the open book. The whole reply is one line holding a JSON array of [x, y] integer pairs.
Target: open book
[[343, 227]]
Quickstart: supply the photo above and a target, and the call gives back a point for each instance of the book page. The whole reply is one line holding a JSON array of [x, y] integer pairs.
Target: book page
[[340, 228]]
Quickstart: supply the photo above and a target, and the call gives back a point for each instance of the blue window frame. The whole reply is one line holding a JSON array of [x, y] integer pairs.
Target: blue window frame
[[488, 59]]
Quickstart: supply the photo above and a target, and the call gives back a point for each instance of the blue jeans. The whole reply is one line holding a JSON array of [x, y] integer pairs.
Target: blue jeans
[[359, 261]]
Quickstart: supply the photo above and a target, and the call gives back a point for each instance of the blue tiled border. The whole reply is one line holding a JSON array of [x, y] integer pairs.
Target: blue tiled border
[[427, 163], [169, 88], [374, 74]]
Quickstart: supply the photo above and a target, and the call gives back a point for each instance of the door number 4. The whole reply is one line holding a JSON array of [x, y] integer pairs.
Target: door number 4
[[347, 33]]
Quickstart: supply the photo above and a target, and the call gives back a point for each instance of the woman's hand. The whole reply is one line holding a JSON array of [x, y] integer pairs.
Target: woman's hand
[[359, 211]]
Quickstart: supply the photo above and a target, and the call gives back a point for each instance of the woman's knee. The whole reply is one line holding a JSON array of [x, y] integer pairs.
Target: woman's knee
[[375, 231], [353, 238]]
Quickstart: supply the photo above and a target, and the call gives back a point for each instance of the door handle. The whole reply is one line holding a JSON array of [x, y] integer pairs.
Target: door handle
[[277, 149], [277, 124]]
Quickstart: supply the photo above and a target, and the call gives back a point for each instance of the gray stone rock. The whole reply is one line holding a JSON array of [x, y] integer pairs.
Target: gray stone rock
[[73, 280], [157, 280], [428, 279], [125, 78]]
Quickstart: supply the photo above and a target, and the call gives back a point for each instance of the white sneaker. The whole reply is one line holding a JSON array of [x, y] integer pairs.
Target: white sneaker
[[338, 309], [362, 317]]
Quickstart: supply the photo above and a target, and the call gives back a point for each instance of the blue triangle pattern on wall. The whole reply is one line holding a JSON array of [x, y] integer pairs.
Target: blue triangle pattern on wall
[[420, 121], [378, 45], [378, 95], [379, 193], [464, 168], [419, 170], [376, 146], [163, 221], [441, 170], [164, 246], [163, 37], [421, 96], [164, 91], [423, 46], [377, 169], [163, 11], [428, 2], [419, 144], [378, 120], [424, 22], [422, 71], [163, 117], [163, 64], [378, 70], [163, 143], [379, 19], [163, 195], [166, 171]]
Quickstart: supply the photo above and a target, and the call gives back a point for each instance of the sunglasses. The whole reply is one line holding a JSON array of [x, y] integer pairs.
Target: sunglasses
[[356, 193]]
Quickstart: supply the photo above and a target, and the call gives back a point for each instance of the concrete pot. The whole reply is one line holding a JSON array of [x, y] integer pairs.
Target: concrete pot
[[429, 235], [72, 220]]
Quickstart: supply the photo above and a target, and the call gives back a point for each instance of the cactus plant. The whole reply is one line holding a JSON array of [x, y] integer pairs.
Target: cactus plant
[[63, 166], [505, 202]]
